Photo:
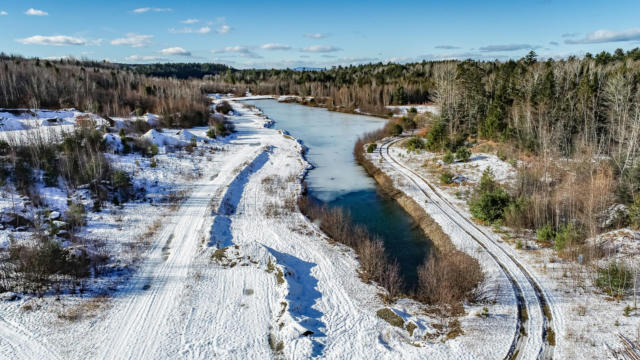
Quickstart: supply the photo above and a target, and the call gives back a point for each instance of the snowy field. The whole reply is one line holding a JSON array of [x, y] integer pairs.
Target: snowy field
[[230, 269]]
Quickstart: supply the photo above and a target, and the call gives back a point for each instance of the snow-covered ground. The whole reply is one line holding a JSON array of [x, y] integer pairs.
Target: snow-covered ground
[[587, 322], [215, 261], [234, 271], [23, 125], [403, 110]]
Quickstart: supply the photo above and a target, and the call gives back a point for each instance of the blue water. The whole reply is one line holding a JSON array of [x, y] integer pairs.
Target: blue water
[[338, 180]]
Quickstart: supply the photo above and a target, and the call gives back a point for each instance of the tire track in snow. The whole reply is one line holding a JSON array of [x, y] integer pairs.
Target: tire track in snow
[[18, 343], [155, 293], [521, 347]]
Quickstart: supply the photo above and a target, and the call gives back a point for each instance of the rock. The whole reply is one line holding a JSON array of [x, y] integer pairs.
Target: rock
[[55, 215], [9, 296], [60, 224]]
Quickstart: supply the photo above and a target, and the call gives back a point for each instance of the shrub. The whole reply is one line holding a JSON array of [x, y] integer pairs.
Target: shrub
[[408, 124], [415, 144], [437, 136], [120, 179], [211, 133], [448, 157], [372, 147], [516, 213], [224, 107], [446, 178], [614, 279], [337, 224], [489, 200], [490, 206], [221, 129], [153, 163], [395, 130], [76, 215], [463, 154], [391, 317], [141, 126], [154, 150], [545, 234], [448, 278], [411, 327], [38, 262], [634, 214], [193, 142], [567, 235]]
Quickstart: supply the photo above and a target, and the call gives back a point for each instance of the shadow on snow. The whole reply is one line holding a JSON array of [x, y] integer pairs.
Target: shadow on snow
[[302, 296], [221, 228]]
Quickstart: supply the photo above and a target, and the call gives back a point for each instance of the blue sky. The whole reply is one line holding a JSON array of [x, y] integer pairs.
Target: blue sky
[[279, 34]]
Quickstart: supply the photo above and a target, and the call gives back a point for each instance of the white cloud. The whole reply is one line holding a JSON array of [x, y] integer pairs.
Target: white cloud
[[316, 36], [321, 49], [147, 9], [143, 58], [243, 51], [605, 36], [275, 47], [190, 21], [223, 29], [133, 40], [2, 13], [447, 47], [36, 12], [58, 40], [508, 47], [202, 30], [175, 51]]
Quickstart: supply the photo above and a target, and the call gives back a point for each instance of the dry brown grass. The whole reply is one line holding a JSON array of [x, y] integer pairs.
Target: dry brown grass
[[84, 309], [448, 278]]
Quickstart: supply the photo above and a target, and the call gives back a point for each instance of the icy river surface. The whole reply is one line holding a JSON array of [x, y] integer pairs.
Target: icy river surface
[[338, 180]]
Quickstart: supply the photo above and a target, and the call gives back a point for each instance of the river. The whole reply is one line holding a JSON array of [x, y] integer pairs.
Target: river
[[338, 180]]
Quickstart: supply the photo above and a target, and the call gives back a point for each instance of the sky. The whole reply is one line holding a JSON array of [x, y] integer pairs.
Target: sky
[[288, 34]]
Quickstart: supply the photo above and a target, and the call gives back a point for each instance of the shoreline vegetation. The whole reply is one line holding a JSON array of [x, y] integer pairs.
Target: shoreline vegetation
[[448, 276]]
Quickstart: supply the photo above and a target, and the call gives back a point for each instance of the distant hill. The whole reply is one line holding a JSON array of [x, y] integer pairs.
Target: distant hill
[[179, 70], [303, 68]]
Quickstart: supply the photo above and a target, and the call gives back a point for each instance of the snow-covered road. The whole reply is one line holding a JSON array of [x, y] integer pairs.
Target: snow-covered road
[[531, 335]]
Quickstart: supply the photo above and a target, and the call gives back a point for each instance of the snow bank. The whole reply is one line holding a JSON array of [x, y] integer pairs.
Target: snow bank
[[23, 125], [162, 140], [24, 119], [123, 122], [186, 135], [113, 142], [404, 109]]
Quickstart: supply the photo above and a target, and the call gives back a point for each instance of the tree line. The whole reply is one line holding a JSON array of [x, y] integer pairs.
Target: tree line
[[100, 87]]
